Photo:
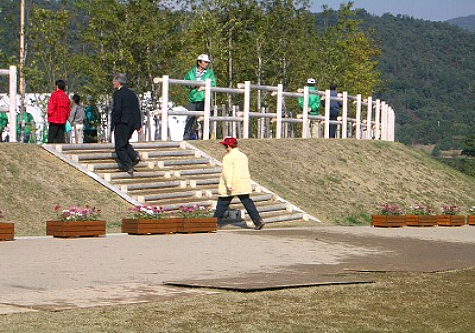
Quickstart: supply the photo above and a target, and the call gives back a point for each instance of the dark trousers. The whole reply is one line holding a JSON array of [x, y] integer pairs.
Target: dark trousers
[[333, 116], [190, 126], [123, 149], [56, 133], [223, 204], [90, 136]]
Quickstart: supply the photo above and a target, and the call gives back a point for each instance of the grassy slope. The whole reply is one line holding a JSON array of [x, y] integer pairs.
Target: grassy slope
[[337, 181], [343, 181], [33, 181]]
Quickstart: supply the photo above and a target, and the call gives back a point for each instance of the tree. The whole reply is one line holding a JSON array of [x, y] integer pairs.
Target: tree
[[469, 146], [347, 54], [49, 42]]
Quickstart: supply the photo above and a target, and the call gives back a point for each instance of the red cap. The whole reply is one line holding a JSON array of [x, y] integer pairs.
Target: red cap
[[229, 141]]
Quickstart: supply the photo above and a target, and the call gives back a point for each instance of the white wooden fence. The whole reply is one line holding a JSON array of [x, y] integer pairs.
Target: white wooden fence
[[12, 73], [378, 123], [374, 119]]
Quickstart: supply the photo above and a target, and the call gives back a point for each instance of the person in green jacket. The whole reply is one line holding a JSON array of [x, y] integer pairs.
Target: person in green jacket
[[3, 123], [196, 95], [313, 105], [27, 123]]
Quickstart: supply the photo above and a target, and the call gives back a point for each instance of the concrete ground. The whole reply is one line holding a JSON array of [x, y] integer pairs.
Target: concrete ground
[[44, 273]]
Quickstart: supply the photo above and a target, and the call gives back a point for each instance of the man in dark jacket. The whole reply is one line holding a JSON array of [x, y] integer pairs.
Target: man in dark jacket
[[126, 119]]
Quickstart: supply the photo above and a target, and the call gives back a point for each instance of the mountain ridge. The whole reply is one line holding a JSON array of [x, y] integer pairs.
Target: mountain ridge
[[464, 22]]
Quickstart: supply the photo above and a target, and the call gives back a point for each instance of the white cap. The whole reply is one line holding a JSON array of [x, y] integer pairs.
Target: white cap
[[311, 81], [204, 57]]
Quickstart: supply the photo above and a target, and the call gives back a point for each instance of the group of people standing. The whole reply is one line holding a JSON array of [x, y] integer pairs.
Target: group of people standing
[[69, 121], [314, 102], [25, 127]]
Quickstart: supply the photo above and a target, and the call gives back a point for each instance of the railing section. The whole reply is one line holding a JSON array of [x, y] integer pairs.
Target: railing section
[[378, 124]]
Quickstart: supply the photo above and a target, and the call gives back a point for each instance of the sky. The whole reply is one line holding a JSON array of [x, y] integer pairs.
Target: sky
[[432, 10]]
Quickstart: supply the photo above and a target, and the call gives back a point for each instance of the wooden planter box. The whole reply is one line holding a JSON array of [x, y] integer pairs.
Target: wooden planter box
[[151, 226], [421, 220], [205, 224], [388, 221], [7, 231], [168, 226], [451, 220], [471, 219], [72, 229]]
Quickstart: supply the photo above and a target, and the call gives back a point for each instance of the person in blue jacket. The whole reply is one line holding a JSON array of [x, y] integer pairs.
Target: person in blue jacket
[[334, 109]]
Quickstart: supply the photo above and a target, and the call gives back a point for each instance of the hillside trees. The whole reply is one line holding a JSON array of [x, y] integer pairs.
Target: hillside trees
[[429, 73], [137, 37], [469, 146], [266, 42], [347, 54], [49, 46]]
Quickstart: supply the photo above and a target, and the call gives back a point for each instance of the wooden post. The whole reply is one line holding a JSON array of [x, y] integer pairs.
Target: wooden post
[[13, 104], [391, 122], [278, 130], [344, 126], [234, 123], [207, 110], [377, 120], [384, 121], [214, 131], [326, 131], [164, 129], [358, 117], [224, 112], [369, 126], [247, 105]]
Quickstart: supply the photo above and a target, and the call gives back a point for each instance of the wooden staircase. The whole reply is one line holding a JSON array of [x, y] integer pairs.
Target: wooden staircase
[[170, 175]]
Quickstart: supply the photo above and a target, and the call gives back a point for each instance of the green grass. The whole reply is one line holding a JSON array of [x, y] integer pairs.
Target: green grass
[[395, 302]]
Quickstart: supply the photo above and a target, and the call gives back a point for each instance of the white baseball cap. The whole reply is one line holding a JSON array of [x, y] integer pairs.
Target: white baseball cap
[[311, 81], [204, 57]]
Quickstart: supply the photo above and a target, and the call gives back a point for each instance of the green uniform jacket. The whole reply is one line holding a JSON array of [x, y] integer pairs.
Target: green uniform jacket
[[194, 95], [29, 122], [3, 121], [313, 102]]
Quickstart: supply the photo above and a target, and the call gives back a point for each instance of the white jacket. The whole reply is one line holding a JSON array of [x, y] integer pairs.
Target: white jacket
[[235, 174]]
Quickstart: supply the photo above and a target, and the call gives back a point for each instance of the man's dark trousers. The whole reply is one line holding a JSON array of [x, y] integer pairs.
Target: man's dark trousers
[[123, 149], [224, 202]]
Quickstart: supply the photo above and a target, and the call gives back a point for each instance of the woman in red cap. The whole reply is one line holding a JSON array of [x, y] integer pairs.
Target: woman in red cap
[[236, 180]]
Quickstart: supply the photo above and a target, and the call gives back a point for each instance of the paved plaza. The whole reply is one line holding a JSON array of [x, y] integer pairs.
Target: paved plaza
[[45, 273]]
